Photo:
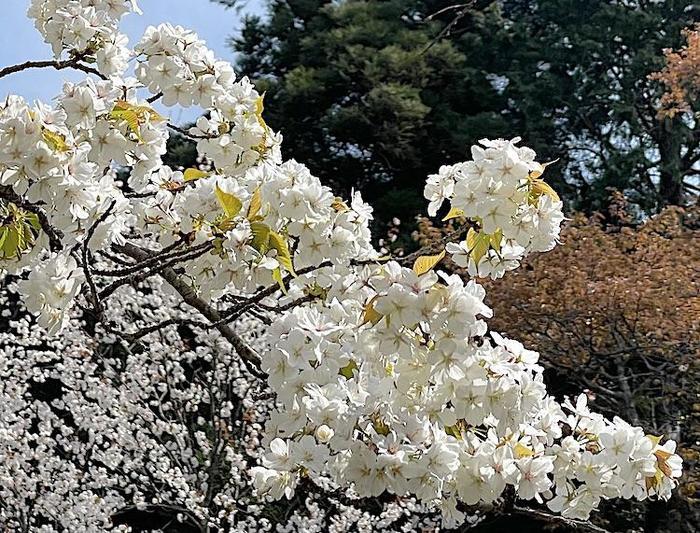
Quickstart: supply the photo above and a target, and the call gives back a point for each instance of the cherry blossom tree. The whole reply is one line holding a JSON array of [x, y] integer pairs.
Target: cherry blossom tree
[[167, 305]]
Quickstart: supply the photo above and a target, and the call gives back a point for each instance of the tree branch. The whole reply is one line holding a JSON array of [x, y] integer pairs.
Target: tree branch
[[250, 358], [582, 525], [57, 64], [96, 302]]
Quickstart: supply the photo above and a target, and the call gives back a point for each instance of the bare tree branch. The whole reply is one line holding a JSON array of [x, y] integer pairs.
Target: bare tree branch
[[96, 302], [578, 525], [73, 63], [250, 358]]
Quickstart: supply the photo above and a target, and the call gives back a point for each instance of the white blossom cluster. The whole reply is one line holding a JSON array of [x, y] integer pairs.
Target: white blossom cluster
[[177, 65], [422, 400], [85, 28], [386, 378], [499, 189]]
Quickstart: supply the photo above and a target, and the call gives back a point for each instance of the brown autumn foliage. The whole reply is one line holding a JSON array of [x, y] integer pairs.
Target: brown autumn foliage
[[615, 311], [681, 75]]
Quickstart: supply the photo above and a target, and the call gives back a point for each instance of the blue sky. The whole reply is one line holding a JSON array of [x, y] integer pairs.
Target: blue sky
[[19, 41]]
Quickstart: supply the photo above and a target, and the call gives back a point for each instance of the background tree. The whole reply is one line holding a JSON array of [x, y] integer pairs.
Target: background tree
[[374, 94], [365, 95], [681, 76], [585, 67]]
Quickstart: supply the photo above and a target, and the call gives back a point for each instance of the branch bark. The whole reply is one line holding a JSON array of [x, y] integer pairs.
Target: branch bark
[[249, 357], [57, 64]]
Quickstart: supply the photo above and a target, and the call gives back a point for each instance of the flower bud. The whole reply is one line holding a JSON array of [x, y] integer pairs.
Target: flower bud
[[324, 434]]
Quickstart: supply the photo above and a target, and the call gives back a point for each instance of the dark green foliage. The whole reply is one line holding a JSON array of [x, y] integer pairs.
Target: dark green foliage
[[365, 101], [366, 96], [181, 152], [579, 82]]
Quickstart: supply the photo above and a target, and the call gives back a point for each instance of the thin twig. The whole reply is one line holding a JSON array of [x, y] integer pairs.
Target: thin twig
[[96, 303], [572, 523], [446, 30], [185, 133], [57, 64], [153, 98], [185, 255], [162, 255], [249, 357]]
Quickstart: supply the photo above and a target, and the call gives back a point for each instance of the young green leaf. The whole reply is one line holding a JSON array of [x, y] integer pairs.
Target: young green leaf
[[229, 203], [55, 141], [255, 204], [425, 263], [192, 174], [478, 244], [370, 314], [454, 213], [261, 236], [539, 188], [496, 239], [347, 370], [279, 243], [277, 276]]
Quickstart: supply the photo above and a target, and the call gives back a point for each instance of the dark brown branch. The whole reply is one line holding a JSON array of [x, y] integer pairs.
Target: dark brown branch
[[153, 98], [96, 303], [185, 133], [247, 354], [185, 255], [578, 525], [57, 64], [446, 30], [131, 268]]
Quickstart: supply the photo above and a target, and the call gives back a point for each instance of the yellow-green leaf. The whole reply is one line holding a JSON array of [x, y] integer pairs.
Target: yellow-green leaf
[[10, 246], [55, 141], [539, 171], [4, 231], [426, 263], [347, 370], [261, 236], [454, 431], [370, 314], [130, 117], [255, 204], [192, 174], [522, 451], [539, 188], [339, 205], [478, 244], [454, 213], [259, 108], [496, 239], [18, 231], [229, 203], [134, 116], [380, 426], [279, 243], [654, 439], [277, 276]]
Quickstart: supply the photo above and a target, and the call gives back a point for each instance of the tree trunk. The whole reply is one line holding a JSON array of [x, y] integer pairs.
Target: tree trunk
[[671, 172]]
